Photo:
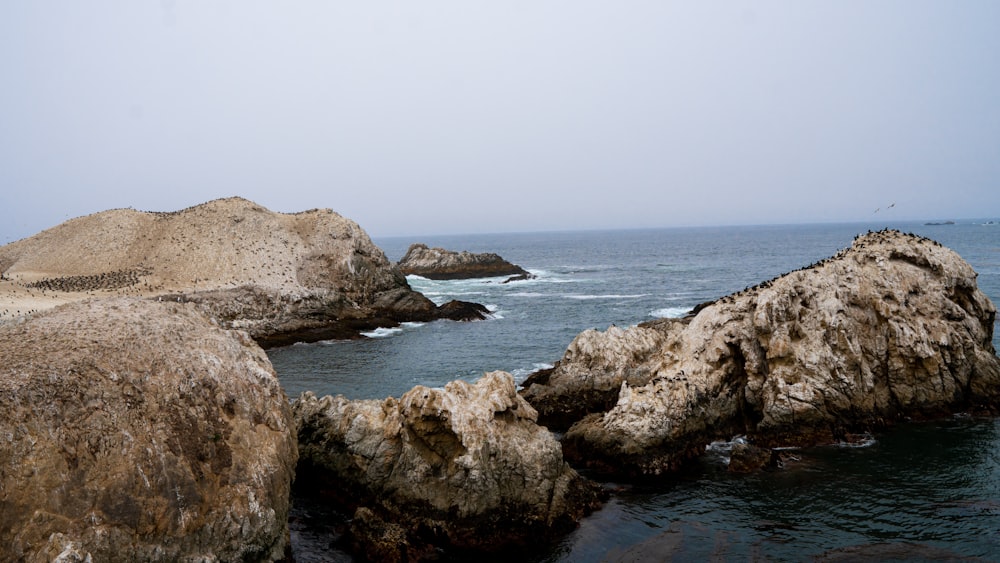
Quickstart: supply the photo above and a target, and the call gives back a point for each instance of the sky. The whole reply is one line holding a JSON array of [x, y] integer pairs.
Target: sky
[[440, 117]]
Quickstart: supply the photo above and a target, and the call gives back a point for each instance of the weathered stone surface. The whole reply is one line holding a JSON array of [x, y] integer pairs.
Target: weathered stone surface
[[281, 277], [139, 431], [892, 327], [441, 264], [465, 466], [591, 372]]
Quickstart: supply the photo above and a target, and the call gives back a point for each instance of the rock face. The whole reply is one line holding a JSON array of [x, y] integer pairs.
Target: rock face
[[281, 277], [892, 327], [441, 264], [465, 466], [140, 431]]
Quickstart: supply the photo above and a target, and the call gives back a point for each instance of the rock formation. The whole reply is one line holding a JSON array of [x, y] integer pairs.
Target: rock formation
[[140, 431], [441, 264], [893, 327], [464, 467], [281, 277]]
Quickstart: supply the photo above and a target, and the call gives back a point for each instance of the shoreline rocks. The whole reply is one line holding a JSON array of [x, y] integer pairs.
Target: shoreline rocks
[[892, 328], [463, 468], [283, 278], [139, 431], [441, 264]]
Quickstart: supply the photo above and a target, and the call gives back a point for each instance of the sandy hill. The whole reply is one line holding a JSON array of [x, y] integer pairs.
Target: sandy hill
[[212, 249], [222, 243]]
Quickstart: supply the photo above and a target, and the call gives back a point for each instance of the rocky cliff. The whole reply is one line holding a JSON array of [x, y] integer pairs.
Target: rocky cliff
[[282, 277], [441, 264], [890, 328], [140, 431], [461, 467]]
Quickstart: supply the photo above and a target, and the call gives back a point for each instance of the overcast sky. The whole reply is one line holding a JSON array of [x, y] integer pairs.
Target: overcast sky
[[452, 117]]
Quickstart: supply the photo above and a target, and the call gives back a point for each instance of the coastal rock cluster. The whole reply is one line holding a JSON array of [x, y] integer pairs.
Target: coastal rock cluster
[[140, 431], [142, 420], [893, 327], [464, 467], [281, 277], [441, 264]]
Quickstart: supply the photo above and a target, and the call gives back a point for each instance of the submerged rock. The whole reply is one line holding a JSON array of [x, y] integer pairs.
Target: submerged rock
[[441, 264], [140, 431], [464, 467], [893, 327], [281, 277]]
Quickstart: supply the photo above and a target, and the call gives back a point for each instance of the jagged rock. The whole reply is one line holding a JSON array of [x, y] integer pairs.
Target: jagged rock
[[441, 264], [520, 277], [747, 458], [463, 311], [590, 374], [465, 466], [140, 431], [892, 327], [281, 277]]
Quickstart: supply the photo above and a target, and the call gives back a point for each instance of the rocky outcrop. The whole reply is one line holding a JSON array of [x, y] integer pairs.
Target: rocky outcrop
[[441, 264], [281, 277], [464, 467], [140, 431], [893, 327]]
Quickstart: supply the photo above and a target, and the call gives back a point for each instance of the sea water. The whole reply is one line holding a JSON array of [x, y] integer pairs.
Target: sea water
[[929, 490]]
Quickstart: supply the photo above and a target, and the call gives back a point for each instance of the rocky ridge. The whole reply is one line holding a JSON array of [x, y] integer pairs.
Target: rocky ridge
[[891, 328], [140, 431], [441, 264], [281, 277], [464, 467]]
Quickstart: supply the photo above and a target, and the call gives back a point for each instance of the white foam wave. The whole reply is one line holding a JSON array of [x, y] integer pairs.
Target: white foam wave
[[670, 312], [606, 296], [526, 294], [382, 332], [865, 440]]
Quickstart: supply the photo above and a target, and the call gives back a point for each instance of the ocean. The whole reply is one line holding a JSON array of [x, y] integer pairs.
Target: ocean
[[928, 490]]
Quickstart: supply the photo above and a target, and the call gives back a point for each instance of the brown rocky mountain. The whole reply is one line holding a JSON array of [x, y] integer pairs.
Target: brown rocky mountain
[[282, 277]]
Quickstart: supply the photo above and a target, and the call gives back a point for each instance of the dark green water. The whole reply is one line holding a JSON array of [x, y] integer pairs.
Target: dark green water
[[928, 491]]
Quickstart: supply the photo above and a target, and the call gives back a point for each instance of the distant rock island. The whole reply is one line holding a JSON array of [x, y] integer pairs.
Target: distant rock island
[[935, 223], [441, 264], [282, 277]]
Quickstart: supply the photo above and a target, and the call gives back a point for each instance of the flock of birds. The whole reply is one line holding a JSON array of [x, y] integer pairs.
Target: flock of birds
[[857, 246]]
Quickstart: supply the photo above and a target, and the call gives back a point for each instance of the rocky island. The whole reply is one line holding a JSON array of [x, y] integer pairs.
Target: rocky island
[[441, 264], [281, 277], [144, 421], [892, 328]]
